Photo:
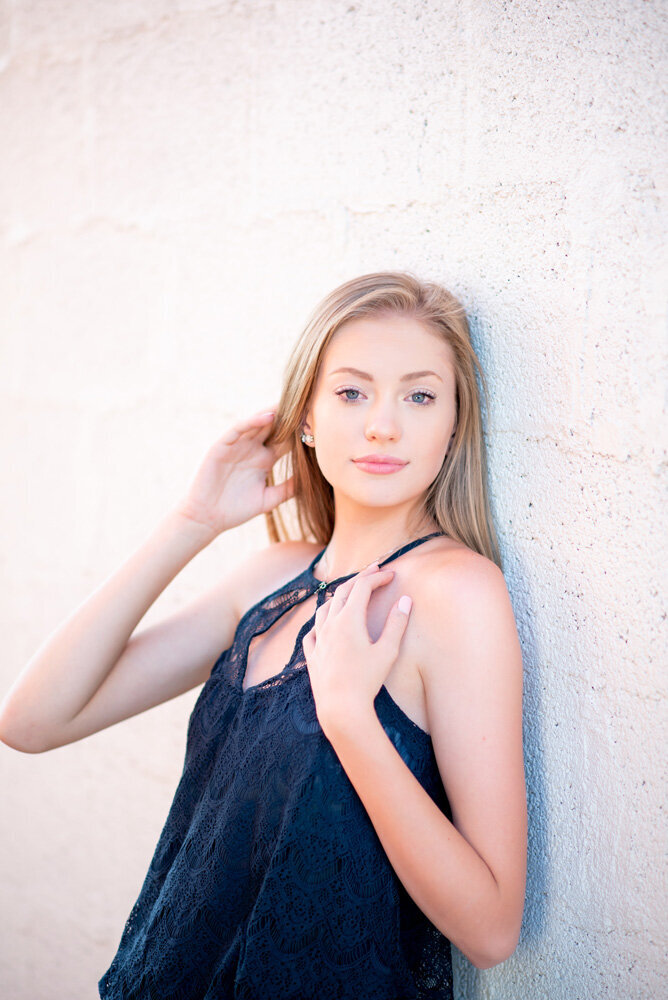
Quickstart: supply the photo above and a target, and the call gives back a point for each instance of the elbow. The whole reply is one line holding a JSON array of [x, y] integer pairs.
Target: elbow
[[21, 743], [18, 737], [494, 950], [494, 936]]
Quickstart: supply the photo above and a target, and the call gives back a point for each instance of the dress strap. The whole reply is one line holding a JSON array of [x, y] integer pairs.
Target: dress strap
[[410, 545], [393, 555]]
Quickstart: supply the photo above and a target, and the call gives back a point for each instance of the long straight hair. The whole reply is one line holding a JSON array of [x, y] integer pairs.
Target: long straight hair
[[458, 498]]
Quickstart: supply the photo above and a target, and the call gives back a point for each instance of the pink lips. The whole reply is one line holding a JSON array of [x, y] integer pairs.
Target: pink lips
[[382, 464]]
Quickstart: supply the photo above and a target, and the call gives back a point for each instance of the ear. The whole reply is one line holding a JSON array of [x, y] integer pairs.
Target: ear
[[306, 432], [306, 420]]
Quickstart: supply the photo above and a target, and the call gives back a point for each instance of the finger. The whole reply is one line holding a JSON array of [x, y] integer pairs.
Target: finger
[[395, 625], [363, 587], [339, 597], [260, 429], [342, 592], [252, 425], [266, 431], [308, 643], [275, 495], [321, 615]]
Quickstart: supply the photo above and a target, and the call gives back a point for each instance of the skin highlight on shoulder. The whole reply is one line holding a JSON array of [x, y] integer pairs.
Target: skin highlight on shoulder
[[452, 570], [464, 607], [449, 584]]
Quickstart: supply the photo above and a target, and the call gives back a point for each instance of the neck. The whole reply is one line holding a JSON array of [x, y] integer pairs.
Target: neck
[[357, 542]]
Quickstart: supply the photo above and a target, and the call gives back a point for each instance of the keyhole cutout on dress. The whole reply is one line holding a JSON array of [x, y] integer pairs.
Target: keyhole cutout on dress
[[270, 652]]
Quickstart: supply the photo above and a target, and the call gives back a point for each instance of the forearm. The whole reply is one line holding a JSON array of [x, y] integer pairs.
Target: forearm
[[73, 662], [440, 870]]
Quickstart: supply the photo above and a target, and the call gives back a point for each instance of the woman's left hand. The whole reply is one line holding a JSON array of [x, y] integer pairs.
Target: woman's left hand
[[347, 669]]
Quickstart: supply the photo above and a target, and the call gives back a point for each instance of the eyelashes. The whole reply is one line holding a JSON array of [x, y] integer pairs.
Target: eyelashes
[[428, 395]]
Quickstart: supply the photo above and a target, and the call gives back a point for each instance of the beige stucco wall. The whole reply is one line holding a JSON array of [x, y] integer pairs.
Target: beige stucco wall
[[180, 181]]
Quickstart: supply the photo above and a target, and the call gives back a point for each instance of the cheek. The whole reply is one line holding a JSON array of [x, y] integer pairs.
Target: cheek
[[331, 435], [323, 410], [434, 453], [333, 422]]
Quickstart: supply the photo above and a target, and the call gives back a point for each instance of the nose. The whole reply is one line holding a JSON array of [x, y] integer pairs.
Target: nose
[[382, 423]]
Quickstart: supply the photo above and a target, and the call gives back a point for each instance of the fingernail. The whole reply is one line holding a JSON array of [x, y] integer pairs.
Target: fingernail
[[405, 604], [269, 413]]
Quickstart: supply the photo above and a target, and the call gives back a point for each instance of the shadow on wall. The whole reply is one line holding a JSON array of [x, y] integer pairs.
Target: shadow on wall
[[470, 983], [474, 984], [535, 908]]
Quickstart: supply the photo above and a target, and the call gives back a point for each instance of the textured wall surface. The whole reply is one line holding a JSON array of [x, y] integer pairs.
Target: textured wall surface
[[180, 182]]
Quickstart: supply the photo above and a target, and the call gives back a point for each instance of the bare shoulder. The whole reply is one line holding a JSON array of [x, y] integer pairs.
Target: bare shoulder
[[265, 570], [460, 577], [471, 669], [463, 608]]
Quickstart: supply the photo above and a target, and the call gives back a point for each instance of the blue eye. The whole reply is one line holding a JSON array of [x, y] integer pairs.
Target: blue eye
[[426, 397], [344, 393]]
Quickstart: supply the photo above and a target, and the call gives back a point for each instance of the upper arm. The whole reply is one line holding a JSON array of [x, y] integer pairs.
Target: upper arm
[[473, 685], [173, 656], [160, 662]]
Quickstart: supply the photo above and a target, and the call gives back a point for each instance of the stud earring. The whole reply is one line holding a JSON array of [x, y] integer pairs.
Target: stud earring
[[307, 438]]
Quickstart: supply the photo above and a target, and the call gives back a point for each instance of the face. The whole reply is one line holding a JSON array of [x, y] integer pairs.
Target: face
[[383, 411]]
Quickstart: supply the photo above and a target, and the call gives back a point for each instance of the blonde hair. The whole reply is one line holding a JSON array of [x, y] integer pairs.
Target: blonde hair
[[458, 498]]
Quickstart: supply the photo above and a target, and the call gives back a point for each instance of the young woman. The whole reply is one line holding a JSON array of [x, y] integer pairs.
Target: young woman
[[353, 797]]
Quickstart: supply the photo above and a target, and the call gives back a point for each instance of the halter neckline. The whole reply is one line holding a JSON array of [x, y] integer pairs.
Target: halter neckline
[[393, 555]]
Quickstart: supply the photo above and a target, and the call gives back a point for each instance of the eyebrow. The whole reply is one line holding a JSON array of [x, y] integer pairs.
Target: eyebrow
[[369, 378]]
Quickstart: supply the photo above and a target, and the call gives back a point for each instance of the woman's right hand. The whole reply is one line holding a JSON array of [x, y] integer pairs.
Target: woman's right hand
[[230, 486], [94, 671]]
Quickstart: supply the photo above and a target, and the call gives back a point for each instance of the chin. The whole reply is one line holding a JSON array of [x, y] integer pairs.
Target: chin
[[378, 494]]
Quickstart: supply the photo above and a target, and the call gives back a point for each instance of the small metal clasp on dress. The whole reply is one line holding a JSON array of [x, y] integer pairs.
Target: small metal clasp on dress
[[321, 586]]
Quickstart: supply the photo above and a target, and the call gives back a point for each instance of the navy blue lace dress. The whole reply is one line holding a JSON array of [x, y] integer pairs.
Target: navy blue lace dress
[[269, 880]]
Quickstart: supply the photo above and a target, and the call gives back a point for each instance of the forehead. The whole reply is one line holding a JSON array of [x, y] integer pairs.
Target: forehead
[[387, 342]]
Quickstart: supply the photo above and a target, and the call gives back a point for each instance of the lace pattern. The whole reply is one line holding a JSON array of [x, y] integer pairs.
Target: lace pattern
[[268, 879]]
